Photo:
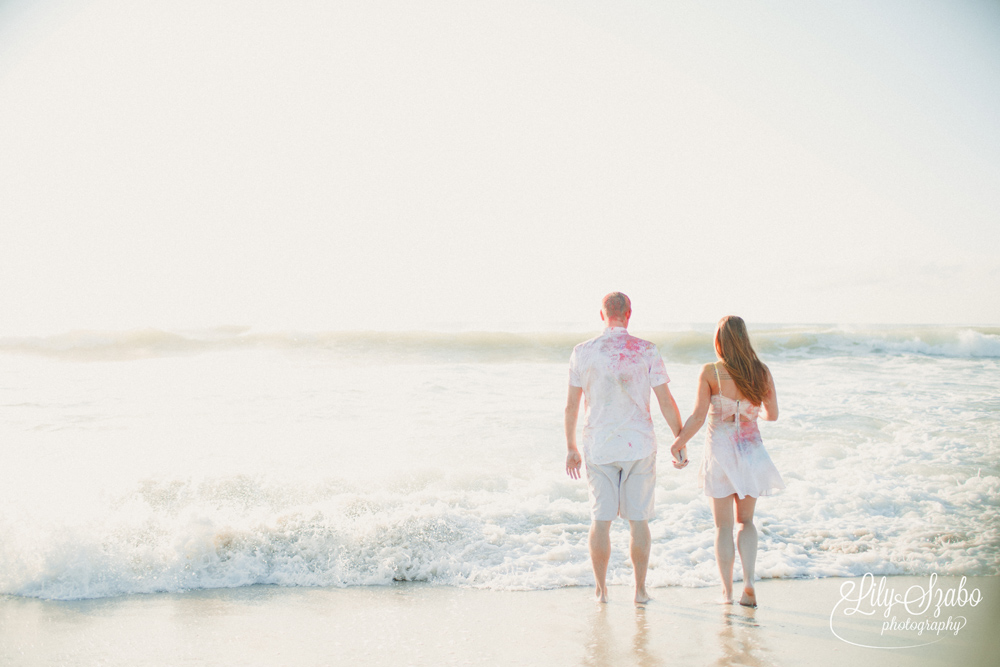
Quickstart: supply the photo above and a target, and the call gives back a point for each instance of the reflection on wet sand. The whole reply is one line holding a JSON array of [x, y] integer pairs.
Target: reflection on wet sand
[[601, 648], [606, 649], [645, 657], [740, 639]]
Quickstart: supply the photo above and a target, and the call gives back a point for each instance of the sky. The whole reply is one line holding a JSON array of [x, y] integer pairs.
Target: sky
[[318, 165]]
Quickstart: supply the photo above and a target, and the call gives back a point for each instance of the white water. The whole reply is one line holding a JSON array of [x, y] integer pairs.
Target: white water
[[153, 461]]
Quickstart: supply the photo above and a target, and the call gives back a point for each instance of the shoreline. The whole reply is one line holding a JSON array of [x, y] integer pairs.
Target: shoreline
[[415, 623]]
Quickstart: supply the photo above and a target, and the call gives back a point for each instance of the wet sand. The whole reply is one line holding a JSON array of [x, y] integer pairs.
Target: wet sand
[[420, 624]]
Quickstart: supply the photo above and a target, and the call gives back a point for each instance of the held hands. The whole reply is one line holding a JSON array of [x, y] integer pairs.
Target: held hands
[[573, 463], [679, 452]]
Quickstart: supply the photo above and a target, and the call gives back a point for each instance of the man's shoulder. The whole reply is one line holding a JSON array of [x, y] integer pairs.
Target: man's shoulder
[[587, 344], [643, 340], [641, 343]]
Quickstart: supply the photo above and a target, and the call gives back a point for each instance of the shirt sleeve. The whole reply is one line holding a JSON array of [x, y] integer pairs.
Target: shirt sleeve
[[574, 370], [657, 370]]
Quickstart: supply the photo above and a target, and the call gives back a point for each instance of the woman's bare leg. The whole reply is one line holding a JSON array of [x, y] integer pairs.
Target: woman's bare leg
[[725, 554], [746, 540]]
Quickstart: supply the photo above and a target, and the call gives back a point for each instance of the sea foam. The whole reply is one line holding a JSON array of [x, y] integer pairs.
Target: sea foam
[[347, 459]]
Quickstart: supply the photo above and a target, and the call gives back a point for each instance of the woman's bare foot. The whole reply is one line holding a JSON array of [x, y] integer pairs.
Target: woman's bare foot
[[641, 597], [749, 597], [601, 595], [725, 599]]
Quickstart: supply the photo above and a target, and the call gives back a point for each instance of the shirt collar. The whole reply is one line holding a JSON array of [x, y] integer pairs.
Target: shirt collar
[[615, 331]]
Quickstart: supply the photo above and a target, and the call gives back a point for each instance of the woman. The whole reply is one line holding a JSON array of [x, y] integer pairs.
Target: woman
[[736, 469]]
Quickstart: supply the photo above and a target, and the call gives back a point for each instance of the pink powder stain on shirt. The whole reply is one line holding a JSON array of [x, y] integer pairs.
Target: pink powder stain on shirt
[[616, 366], [634, 344], [626, 356], [632, 350]]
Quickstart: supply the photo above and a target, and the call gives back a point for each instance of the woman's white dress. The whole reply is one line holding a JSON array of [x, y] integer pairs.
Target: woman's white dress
[[735, 459]]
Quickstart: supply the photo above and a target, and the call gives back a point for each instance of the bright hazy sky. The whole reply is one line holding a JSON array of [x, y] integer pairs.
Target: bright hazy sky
[[370, 165]]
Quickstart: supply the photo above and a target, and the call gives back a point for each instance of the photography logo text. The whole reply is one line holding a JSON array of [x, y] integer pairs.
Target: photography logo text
[[872, 612]]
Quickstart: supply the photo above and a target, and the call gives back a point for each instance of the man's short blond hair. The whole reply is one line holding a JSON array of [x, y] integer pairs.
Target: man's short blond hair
[[616, 306]]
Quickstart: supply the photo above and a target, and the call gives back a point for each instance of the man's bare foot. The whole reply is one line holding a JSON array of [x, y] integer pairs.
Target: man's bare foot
[[641, 597], [749, 597], [601, 595]]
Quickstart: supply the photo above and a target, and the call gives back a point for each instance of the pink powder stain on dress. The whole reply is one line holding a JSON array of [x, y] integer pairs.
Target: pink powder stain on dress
[[747, 436]]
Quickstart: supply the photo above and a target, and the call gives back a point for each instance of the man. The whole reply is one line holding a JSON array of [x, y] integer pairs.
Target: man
[[614, 373]]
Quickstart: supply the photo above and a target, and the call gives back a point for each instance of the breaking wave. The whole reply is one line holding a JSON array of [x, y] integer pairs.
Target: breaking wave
[[686, 346]]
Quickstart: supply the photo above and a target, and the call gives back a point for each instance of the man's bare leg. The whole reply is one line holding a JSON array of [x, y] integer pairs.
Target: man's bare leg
[[746, 541], [725, 553], [600, 554], [639, 545]]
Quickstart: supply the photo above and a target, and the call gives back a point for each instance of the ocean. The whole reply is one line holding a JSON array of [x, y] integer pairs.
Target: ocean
[[153, 461]]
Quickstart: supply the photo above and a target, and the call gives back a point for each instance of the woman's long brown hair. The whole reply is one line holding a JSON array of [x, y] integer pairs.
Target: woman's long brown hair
[[732, 344]]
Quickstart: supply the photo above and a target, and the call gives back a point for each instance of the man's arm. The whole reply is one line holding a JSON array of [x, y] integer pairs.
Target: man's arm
[[668, 407], [573, 459]]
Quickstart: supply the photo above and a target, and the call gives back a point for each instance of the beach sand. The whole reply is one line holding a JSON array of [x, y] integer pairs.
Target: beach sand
[[421, 624]]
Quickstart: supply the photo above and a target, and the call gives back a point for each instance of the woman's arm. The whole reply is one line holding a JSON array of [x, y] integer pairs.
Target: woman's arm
[[770, 404], [697, 418]]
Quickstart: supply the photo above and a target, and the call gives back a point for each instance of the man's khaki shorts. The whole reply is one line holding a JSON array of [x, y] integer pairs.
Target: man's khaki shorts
[[622, 488]]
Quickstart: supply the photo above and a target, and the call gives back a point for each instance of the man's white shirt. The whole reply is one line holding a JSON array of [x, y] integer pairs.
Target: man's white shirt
[[617, 372]]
